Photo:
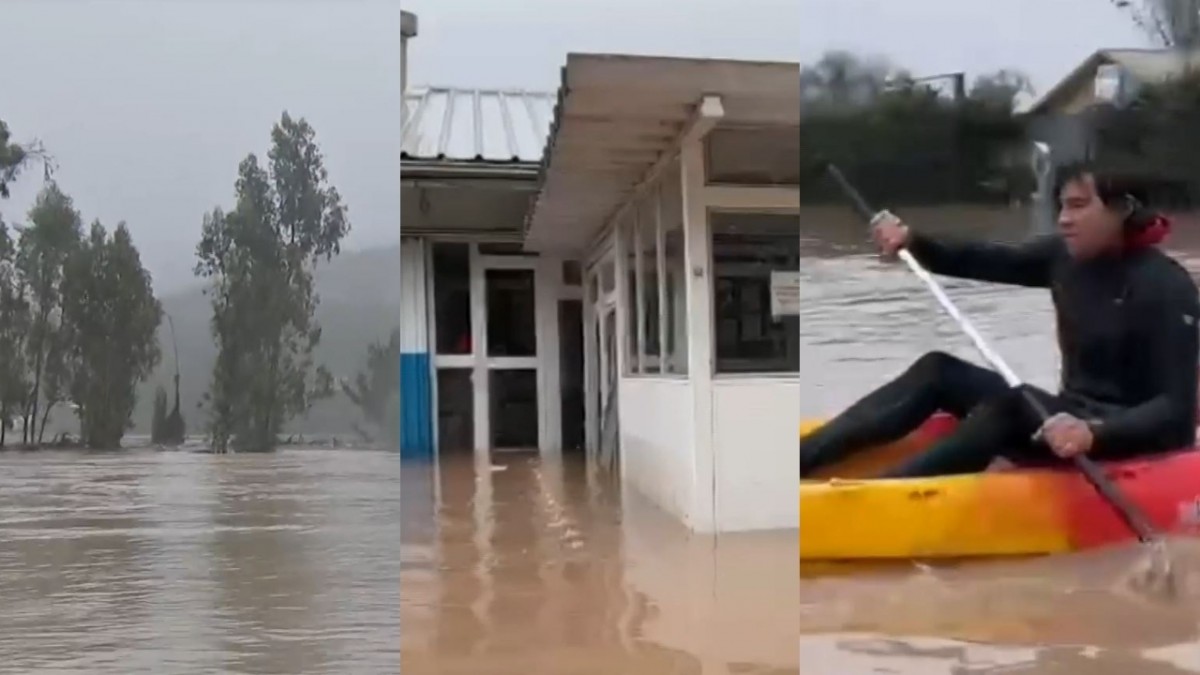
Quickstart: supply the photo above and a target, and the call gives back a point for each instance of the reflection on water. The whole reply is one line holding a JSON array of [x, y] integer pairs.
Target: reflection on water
[[527, 566], [163, 563], [864, 321]]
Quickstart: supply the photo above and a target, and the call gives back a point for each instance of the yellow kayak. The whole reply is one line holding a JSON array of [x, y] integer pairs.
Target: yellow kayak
[[845, 515]]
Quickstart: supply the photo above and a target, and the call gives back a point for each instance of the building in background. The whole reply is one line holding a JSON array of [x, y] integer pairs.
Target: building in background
[[593, 271]]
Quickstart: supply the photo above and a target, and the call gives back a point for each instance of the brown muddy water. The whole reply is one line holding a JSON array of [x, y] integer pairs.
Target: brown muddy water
[[864, 321], [293, 562], [518, 566], [159, 563]]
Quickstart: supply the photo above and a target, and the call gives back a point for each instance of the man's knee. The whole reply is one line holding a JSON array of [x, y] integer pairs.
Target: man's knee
[[936, 366]]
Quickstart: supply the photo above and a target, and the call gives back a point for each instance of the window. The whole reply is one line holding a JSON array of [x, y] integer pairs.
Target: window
[[747, 248], [452, 297], [655, 296], [674, 360], [643, 289], [511, 322]]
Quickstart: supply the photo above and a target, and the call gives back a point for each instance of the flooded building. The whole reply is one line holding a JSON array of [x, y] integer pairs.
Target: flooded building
[[610, 269]]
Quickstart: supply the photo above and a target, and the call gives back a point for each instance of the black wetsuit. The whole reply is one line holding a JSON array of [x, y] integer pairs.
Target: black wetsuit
[[1127, 330]]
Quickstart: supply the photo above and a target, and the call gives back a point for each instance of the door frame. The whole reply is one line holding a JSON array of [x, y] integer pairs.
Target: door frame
[[597, 306], [547, 291]]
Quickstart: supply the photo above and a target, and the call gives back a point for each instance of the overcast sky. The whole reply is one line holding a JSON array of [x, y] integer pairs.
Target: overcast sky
[[149, 105]]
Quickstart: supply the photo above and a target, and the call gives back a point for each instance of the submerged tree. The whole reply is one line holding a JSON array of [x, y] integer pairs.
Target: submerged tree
[[43, 249], [111, 317], [260, 259], [14, 326], [376, 388]]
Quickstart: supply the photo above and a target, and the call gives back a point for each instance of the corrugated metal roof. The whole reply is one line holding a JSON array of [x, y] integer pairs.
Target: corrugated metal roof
[[476, 125]]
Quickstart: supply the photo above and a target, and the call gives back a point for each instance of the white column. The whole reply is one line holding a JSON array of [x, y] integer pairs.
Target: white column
[[479, 369], [547, 290], [591, 364], [698, 257]]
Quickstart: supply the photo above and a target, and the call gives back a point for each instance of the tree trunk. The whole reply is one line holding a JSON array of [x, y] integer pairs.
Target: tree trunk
[[45, 418]]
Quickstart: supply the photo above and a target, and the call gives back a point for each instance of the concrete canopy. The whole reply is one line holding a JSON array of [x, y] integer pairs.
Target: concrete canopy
[[618, 118]]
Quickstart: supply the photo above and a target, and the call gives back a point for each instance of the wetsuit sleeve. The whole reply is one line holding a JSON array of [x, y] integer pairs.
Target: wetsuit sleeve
[[1168, 316], [1029, 263]]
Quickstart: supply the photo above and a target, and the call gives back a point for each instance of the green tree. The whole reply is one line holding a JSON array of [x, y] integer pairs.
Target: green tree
[[14, 325], [259, 259], [111, 318], [1001, 89], [15, 157], [841, 81], [376, 388], [43, 249]]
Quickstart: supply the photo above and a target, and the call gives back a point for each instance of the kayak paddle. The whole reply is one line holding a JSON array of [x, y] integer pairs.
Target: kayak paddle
[[1129, 512]]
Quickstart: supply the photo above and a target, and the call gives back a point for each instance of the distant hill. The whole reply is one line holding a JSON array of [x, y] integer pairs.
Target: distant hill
[[359, 303]]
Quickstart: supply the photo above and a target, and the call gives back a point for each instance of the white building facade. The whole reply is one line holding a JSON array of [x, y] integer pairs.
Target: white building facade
[[593, 272]]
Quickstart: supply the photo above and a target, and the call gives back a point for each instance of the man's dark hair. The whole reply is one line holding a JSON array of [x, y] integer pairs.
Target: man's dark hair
[[1112, 187], [1121, 191]]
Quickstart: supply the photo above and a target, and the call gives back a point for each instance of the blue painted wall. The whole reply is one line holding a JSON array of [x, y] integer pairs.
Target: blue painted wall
[[416, 407]]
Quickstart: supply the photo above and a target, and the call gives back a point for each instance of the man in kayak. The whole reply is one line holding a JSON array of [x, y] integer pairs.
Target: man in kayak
[[1127, 331]]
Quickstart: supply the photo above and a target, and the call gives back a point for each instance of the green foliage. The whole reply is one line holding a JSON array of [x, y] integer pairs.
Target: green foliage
[[77, 323], [906, 143], [376, 388], [111, 318], [43, 249], [1153, 137], [259, 259], [14, 327], [15, 157]]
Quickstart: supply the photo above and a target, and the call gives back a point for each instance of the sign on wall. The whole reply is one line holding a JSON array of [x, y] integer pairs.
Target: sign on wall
[[785, 294]]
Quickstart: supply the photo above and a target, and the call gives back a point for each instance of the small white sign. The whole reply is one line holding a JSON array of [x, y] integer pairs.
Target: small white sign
[[785, 294]]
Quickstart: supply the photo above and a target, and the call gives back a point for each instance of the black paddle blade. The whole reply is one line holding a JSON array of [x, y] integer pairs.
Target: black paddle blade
[[856, 199]]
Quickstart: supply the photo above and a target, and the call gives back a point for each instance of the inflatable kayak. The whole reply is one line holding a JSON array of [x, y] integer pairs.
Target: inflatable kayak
[[847, 516]]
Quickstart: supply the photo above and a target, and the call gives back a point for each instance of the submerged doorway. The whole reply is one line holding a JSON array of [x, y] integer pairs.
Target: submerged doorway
[[495, 320]]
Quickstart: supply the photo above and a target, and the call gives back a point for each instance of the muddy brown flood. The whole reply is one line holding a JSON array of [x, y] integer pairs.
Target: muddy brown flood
[[864, 321], [147, 562], [160, 563]]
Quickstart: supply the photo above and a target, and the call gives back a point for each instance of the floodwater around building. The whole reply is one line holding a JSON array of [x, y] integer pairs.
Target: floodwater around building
[[526, 566], [163, 563]]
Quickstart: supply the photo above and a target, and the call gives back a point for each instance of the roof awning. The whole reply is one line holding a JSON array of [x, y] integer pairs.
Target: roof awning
[[618, 116]]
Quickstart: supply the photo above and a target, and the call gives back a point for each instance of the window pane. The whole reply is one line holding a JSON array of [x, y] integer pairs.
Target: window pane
[[746, 249], [452, 298], [511, 326], [675, 360], [649, 248], [455, 410], [514, 408]]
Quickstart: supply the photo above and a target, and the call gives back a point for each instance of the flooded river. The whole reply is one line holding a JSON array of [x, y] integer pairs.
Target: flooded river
[[163, 563], [863, 321]]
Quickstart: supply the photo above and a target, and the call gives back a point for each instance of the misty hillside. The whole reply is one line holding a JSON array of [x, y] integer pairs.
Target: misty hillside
[[359, 303]]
